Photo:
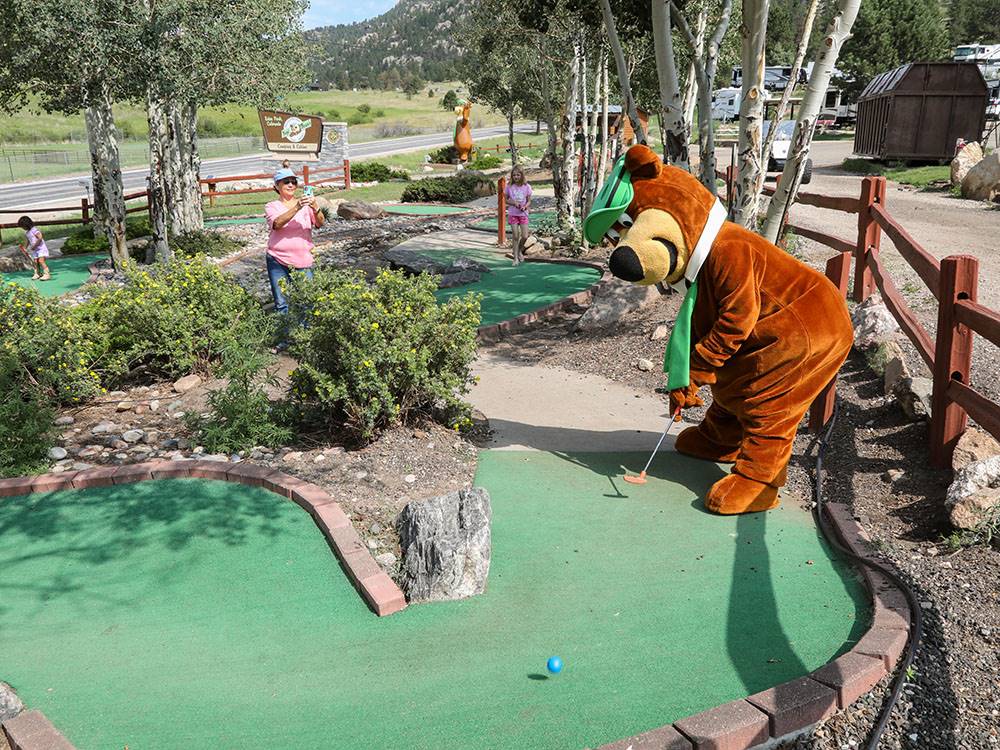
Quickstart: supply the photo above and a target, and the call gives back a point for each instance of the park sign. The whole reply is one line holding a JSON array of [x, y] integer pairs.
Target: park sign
[[291, 134]]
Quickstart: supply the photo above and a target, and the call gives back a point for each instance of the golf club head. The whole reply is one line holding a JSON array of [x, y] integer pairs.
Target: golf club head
[[641, 479]]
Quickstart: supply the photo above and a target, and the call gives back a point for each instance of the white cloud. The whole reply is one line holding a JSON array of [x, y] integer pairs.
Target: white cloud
[[332, 12]]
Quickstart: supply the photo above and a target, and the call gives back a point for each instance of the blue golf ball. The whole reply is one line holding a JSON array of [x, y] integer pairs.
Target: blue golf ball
[[554, 664]]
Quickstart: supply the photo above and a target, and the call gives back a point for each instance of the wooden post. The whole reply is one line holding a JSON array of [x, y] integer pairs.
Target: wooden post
[[501, 212], [952, 355], [838, 270], [347, 174], [84, 210], [869, 236], [730, 181], [211, 194]]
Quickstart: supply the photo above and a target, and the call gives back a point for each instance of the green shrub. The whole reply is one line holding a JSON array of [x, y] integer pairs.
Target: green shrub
[[364, 108], [457, 189], [204, 242], [168, 320], [373, 171], [83, 240], [242, 415], [443, 155], [486, 161], [449, 100], [25, 421], [54, 348], [373, 356]]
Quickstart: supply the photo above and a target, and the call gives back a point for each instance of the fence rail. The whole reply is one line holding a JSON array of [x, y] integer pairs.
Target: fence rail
[[953, 281]]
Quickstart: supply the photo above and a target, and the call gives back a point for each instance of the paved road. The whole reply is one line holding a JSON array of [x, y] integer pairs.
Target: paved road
[[69, 190]]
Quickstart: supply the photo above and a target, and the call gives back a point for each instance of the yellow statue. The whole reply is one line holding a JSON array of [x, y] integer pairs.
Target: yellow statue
[[463, 133]]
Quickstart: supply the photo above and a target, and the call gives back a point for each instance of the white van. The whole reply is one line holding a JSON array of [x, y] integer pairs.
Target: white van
[[726, 104]]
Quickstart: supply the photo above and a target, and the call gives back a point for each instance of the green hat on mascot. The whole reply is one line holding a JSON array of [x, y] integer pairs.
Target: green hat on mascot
[[616, 193]]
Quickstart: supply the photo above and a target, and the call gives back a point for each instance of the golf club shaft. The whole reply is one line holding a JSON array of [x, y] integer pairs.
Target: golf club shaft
[[670, 421]]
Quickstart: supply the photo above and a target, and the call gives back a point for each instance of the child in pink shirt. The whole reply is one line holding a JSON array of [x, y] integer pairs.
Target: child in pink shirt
[[289, 245], [518, 195], [37, 250]]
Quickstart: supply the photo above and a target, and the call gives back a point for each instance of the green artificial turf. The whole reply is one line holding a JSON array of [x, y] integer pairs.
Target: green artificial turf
[[490, 225], [199, 614], [510, 290], [69, 273], [423, 209], [232, 222]]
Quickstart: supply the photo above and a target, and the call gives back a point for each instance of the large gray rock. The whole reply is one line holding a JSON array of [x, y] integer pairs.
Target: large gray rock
[[982, 183], [970, 155], [458, 278], [873, 323], [467, 264], [354, 210], [446, 546], [614, 300], [413, 262], [974, 445], [914, 396], [974, 494], [10, 704]]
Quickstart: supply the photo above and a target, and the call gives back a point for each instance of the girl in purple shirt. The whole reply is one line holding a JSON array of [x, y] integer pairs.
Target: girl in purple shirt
[[518, 195], [37, 250]]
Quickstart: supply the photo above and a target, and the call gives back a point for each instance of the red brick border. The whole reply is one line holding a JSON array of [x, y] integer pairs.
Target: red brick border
[[494, 332], [30, 730], [794, 706]]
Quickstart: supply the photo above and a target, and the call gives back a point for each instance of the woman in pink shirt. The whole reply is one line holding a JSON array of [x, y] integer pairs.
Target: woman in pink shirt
[[289, 246], [518, 195]]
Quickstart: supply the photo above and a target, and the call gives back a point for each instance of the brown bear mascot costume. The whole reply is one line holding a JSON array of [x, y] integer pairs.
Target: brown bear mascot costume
[[766, 332]]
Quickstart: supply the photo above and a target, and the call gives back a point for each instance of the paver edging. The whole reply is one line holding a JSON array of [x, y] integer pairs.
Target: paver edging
[[494, 332], [794, 706]]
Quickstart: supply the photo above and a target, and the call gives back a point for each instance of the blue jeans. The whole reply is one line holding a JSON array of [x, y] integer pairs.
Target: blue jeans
[[275, 273]]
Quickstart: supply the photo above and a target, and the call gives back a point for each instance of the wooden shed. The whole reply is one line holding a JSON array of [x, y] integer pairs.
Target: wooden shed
[[919, 110]]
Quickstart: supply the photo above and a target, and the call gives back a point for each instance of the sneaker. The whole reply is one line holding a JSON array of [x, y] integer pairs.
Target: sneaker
[[36, 277], [46, 277]]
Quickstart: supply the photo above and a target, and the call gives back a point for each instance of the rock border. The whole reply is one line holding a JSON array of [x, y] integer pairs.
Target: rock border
[[493, 333], [792, 707]]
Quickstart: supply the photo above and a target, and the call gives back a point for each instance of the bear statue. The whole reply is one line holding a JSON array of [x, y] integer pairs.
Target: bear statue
[[763, 330]]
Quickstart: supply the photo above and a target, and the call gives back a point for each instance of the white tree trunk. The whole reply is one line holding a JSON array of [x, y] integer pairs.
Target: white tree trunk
[[751, 174], [183, 188], [691, 83], [605, 144], [565, 208], [106, 175], [837, 33], [800, 55], [158, 201], [675, 135], [623, 76], [705, 71], [511, 138], [552, 132]]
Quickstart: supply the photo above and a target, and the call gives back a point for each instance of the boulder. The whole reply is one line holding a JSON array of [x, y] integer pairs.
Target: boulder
[[57, 453], [412, 262], [895, 370], [355, 210], [445, 543], [914, 396], [970, 155], [974, 445], [467, 264], [982, 183], [974, 494], [10, 704], [613, 301], [873, 323], [185, 384], [458, 278]]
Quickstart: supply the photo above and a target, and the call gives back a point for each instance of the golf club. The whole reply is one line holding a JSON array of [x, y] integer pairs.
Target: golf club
[[641, 479]]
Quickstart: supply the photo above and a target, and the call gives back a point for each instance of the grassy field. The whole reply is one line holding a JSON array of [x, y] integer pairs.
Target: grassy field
[[924, 177], [34, 144]]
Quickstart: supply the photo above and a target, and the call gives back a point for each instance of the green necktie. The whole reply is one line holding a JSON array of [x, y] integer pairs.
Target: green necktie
[[677, 362]]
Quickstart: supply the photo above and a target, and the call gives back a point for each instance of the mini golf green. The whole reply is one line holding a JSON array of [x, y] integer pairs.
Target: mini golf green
[[490, 225], [69, 273], [192, 613], [234, 221], [510, 290], [421, 209]]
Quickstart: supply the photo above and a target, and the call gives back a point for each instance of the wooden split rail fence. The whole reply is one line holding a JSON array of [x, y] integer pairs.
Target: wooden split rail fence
[[83, 214], [953, 282]]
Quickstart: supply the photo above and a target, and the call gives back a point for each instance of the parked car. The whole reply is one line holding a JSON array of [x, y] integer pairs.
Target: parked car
[[779, 151]]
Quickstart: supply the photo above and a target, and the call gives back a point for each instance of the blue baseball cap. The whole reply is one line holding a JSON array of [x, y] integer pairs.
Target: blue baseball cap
[[281, 174]]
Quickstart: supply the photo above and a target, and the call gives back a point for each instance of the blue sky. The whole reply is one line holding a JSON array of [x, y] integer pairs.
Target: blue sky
[[332, 12]]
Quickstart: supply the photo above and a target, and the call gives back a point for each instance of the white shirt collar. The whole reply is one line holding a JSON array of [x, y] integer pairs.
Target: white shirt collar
[[716, 218]]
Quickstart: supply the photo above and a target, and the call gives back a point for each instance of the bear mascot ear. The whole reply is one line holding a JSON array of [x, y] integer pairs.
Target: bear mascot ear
[[642, 163]]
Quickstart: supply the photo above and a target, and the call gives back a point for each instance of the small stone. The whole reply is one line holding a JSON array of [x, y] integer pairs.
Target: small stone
[[645, 365], [63, 421], [660, 332], [334, 451], [235, 458], [220, 457], [360, 475], [56, 453], [123, 406], [410, 478], [102, 428], [292, 457], [893, 475], [151, 437], [116, 394], [372, 544], [375, 528], [81, 465], [185, 384], [198, 450], [154, 405], [133, 436], [319, 458], [386, 560], [121, 456], [179, 414], [141, 408]]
